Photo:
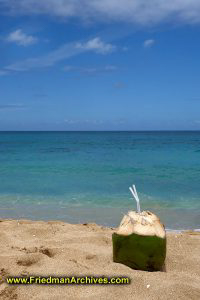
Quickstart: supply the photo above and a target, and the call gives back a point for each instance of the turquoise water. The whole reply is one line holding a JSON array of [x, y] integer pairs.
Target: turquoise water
[[84, 176]]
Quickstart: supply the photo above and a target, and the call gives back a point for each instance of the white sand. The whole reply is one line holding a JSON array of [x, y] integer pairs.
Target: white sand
[[58, 248]]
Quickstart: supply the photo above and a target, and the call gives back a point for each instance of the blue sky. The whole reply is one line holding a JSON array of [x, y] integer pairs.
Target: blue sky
[[100, 65]]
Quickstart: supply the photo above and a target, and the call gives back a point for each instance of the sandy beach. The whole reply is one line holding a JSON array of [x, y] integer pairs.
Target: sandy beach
[[62, 249]]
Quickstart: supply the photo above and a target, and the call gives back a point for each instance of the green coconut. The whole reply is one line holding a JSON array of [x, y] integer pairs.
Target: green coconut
[[140, 242]]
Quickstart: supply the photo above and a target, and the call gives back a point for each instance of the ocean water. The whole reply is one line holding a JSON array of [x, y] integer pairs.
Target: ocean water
[[85, 176]]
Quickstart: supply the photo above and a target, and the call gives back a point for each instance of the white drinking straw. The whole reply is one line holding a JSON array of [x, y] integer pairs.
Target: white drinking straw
[[135, 195]]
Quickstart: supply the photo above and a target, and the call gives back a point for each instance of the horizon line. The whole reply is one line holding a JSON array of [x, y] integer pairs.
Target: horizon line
[[142, 130]]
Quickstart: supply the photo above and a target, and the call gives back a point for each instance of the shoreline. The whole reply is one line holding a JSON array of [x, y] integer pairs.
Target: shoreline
[[168, 230], [108, 216], [58, 248]]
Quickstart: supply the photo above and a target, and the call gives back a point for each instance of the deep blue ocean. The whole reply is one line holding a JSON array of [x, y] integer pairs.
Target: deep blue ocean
[[85, 176]]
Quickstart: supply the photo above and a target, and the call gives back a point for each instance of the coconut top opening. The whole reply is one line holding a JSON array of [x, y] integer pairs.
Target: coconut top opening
[[145, 223]]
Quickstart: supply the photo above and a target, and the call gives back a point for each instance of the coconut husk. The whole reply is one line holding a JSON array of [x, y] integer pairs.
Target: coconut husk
[[140, 242]]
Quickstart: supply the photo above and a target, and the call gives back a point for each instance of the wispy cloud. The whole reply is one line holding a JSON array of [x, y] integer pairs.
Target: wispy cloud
[[96, 45], [95, 122], [90, 70], [119, 85], [40, 95], [11, 106], [83, 122], [149, 43], [143, 12], [65, 51], [21, 38], [3, 72]]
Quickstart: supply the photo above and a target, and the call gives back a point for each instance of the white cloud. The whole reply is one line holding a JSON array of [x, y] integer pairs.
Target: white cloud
[[69, 121], [97, 45], [145, 12], [20, 38], [12, 106], [83, 122], [64, 52], [149, 43], [90, 70]]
